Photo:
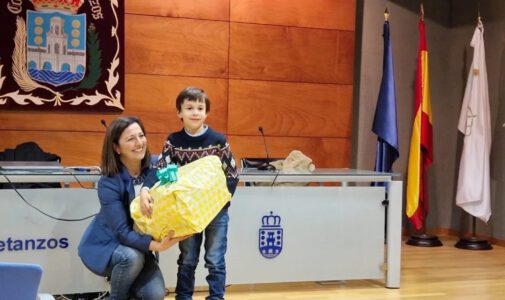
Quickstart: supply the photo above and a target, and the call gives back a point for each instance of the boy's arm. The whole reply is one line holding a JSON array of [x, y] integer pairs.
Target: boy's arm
[[231, 183], [229, 168]]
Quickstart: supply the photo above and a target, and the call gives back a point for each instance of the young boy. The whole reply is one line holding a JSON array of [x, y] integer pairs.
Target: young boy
[[195, 141]]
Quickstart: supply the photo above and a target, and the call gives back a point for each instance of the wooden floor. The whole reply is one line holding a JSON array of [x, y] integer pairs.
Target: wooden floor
[[427, 273]]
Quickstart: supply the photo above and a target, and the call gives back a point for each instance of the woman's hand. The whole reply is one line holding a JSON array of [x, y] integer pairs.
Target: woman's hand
[[146, 203], [166, 242]]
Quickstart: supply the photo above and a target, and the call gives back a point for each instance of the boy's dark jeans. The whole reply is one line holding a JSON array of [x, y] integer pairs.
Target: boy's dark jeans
[[215, 249]]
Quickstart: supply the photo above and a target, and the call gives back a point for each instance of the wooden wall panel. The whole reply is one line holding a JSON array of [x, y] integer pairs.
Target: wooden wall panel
[[48, 121], [284, 65], [32, 121], [290, 109], [74, 150], [328, 14], [345, 59], [155, 122], [194, 9], [161, 92], [152, 98], [167, 46], [286, 54], [84, 149], [324, 152]]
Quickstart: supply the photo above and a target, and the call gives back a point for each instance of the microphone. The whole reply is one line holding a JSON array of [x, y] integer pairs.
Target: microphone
[[266, 165], [103, 123]]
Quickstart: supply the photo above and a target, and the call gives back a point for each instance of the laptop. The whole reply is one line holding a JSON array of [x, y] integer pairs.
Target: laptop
[[30, 165]]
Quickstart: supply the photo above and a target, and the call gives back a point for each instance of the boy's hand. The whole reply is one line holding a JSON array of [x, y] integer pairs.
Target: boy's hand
[[146, 203]]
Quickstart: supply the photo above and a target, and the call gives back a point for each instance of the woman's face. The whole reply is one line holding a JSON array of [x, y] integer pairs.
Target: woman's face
[[132, 144]]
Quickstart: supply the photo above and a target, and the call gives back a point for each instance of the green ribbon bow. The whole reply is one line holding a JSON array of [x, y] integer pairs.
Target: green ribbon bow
[[168, 174]]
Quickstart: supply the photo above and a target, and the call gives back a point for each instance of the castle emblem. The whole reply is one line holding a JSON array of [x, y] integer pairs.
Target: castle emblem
[[270, 236], [56, 42]]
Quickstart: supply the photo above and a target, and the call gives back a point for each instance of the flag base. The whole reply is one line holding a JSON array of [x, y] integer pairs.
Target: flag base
[[424, 240], [473, 243]]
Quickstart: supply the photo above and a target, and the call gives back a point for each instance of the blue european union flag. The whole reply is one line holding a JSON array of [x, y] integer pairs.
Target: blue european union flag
[[384, 123]]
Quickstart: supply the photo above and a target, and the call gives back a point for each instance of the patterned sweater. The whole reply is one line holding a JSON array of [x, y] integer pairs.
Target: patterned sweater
[[182, 148]]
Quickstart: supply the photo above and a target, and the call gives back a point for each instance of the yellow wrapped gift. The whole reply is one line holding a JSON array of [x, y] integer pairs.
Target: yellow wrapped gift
[[188, 205]]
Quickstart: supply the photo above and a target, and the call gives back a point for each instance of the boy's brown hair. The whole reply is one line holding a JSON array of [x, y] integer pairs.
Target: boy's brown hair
[[192, 94]]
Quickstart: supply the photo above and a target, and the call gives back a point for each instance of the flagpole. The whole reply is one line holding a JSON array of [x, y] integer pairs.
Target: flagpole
[[385, 121], [473, 242], [424, 239], [417, 209], [422, 12]]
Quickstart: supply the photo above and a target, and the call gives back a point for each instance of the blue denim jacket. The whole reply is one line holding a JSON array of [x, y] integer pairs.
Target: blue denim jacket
[[113, 224]]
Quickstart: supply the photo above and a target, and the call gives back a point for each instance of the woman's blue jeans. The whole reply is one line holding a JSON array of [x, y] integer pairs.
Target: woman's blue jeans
[[215, 249], [134, 274]]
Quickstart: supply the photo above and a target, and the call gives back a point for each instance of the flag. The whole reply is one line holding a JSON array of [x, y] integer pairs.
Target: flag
[[473, 192], [421, 145], [384, 123]]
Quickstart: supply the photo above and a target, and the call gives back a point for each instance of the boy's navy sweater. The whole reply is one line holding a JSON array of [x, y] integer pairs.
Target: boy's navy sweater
[[181, 149]]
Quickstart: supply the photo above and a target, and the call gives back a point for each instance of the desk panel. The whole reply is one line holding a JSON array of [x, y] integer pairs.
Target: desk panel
[[29, 236], [328, 232]]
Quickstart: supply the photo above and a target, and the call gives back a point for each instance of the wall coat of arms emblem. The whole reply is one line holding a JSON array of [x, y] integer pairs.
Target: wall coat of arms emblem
[[56, 46], [64, 54], [270, 238]]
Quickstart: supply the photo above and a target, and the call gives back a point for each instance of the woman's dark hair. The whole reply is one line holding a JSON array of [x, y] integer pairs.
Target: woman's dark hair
[[192, 94], [110, 159]]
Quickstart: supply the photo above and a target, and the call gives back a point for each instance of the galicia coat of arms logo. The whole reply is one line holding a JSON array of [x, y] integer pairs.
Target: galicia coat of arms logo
[[62, 53], [270, 236]]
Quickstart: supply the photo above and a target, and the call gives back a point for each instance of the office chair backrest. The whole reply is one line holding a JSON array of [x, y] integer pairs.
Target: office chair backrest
[[256, 162], [19, 281]]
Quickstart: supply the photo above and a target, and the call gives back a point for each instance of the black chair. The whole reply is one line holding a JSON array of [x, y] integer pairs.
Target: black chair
[[258, 163]]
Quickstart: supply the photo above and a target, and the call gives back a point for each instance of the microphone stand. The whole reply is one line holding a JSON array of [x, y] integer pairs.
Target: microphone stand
[[266, 166]]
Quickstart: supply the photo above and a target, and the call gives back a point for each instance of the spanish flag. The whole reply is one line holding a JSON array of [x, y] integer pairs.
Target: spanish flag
[[421, 147]]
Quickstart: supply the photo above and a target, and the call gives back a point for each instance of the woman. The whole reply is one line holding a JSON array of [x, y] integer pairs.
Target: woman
[[110, 247]]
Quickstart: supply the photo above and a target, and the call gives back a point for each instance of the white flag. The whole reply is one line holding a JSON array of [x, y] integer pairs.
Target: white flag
[[473, 193]]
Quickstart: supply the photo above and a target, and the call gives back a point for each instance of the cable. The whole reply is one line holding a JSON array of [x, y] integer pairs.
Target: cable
[[277, 172], [70, 171], [38, 209], [101, 295]]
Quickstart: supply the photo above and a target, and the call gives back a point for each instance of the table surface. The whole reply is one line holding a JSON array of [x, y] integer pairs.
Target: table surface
[[246, 175]]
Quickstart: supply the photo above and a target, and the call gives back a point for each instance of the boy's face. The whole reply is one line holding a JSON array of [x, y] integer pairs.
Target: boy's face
[[193, 115]]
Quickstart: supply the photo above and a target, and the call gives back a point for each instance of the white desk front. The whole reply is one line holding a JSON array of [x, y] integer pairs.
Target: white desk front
[[276, 233]]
